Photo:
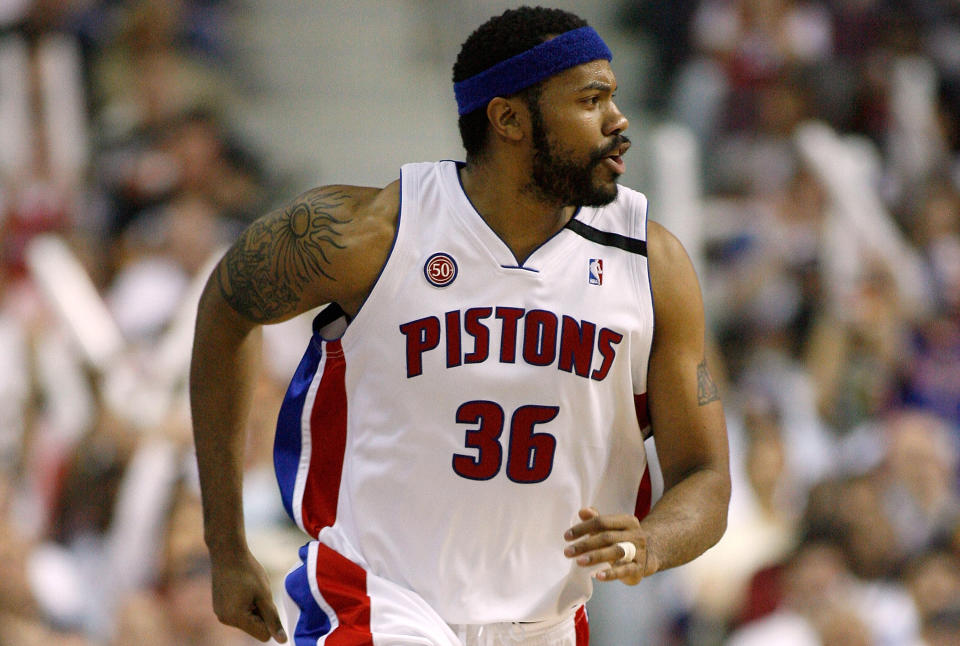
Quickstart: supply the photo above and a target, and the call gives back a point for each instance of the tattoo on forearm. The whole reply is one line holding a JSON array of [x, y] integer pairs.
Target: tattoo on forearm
[[706, 389], [264, 273]]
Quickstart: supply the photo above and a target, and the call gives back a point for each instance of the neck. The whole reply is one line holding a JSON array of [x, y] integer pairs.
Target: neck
[[502, 196]]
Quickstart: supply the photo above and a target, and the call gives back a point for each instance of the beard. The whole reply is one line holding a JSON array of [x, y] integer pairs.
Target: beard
[[557, 178]]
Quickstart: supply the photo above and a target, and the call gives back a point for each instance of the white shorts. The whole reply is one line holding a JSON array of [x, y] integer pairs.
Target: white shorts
[[332, 601]]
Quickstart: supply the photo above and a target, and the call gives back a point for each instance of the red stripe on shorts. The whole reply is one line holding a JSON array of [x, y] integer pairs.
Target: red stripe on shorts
[[343, 585], [582, 627]]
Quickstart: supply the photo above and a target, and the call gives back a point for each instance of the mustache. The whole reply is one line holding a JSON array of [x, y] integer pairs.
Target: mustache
[[615, 143]]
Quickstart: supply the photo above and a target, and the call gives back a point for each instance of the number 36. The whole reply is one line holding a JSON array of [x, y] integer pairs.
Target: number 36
[[529, 453]]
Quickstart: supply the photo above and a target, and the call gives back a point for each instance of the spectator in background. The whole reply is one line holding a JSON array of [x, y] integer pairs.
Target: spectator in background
[[855, 352], [44, 139], [68, 463], [148, 74], [933, 579], [932, 379], [935, 231], [822, 604], [920, 478], [932, 376], [844, 571]]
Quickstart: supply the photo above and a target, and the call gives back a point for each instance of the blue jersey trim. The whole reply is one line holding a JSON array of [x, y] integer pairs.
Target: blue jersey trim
[[530, 269], [313, 623], [287, 446]]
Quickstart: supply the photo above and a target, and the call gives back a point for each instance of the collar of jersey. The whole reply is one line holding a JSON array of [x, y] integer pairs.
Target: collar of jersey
[[548, 252]]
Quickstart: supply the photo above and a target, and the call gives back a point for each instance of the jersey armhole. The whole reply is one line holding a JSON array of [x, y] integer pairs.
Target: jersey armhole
[[640, 223], [384, 276], [640, 219], [331, 322]]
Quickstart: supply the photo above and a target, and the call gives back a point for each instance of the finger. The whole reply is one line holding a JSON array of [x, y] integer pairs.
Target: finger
[[271, 619], [602, 523], [630, 573], [253, 624], [587, 513], [606, 554], [594, 542], [606, 538]]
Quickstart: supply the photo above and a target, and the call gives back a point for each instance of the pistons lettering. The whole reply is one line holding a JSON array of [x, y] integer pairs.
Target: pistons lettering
[[537, 337]]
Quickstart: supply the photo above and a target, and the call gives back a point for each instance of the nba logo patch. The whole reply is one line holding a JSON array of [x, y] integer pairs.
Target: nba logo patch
[[595, 271], [440, 269]]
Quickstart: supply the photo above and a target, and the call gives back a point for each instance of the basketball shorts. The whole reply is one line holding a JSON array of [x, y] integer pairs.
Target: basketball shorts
[[332, 601]]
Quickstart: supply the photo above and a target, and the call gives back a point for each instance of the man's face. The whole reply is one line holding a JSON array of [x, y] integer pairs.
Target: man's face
[[576, 137]]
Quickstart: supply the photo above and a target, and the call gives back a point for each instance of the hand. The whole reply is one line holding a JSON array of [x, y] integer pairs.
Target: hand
[[242, 598], [599, 537]]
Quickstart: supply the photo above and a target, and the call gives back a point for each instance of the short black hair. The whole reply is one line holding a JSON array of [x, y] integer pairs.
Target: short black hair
[[511, 33]]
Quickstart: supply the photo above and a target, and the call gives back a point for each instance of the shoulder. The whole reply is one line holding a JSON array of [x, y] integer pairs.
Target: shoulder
[[368, 234], [676, 289], [362, 212], [351, 230], [357, 206], [335, 223], [664, 248], [327, 244]]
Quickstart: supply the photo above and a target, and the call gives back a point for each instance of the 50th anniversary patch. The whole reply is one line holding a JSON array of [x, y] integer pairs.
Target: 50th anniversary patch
[[440, 269]]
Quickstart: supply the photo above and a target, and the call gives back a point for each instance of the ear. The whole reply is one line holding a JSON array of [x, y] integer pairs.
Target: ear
[[507, 118]]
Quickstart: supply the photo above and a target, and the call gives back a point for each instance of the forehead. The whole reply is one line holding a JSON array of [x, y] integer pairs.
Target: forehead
[[581, 77]]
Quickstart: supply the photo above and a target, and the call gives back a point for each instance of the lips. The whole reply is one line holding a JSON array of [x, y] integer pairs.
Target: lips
[[614, 158], [622, 147], [615, 163]]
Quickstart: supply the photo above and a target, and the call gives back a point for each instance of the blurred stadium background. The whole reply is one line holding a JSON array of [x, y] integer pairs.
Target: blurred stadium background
[[807, 152]]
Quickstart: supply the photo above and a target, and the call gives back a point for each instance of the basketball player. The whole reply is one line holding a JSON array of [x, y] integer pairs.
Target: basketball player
[[463, 440]]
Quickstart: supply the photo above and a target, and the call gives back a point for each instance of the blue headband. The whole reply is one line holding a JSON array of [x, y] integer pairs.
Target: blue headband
[[530, 67]]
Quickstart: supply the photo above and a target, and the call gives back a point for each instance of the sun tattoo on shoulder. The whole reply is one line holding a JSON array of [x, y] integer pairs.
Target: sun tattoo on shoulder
[[707, 390], [264, 273]]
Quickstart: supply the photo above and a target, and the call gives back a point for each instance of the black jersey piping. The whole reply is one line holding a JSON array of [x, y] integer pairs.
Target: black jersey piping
[[328, 315], [607, 238]]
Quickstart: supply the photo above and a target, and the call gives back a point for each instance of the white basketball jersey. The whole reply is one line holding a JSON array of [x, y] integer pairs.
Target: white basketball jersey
[[448, 438]]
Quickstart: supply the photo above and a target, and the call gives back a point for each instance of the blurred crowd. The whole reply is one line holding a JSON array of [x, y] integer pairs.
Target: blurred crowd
[[828, 134], [113, 142], [828, 139]]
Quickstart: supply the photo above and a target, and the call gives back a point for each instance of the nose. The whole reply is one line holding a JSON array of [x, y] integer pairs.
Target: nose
[[616, 122]]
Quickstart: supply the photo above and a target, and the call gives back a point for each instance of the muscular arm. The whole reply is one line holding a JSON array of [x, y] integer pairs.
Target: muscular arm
[[685, 412], [326, 245], [689, 430], [282, 262]]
